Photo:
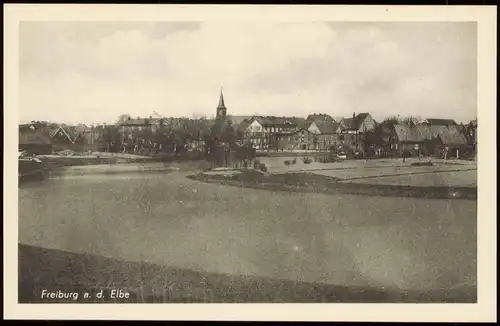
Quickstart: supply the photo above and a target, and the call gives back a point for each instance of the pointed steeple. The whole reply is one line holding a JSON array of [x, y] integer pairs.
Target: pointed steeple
[[221, 101], [221, 108]]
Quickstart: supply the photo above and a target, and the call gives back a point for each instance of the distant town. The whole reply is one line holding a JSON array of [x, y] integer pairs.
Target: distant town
[[356, 136]]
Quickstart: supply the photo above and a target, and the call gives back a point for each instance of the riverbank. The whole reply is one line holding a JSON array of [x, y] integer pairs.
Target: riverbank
[[53, 270], [311, 182]]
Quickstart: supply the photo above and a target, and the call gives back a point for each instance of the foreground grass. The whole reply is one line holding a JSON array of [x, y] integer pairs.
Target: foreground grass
[[54, 270]]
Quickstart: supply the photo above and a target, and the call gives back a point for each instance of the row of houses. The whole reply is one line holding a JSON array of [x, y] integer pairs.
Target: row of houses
[[318, 131], [44, 138]]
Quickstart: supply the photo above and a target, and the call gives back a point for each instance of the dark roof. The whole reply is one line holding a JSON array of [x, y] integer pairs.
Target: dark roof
[[450, 135], [140, 122], [244, 124], [348, 123], [271, 121], [33, 137], [440, 122], [328, 127], [238, 119], [354, 123], [320, 118]]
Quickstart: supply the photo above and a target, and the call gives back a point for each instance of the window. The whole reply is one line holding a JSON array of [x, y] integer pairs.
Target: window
[[341, 137]]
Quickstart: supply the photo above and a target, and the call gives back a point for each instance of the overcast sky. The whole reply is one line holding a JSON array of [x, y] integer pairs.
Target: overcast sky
[[93, 72]]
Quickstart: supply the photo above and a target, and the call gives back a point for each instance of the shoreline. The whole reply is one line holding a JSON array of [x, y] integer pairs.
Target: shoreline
[[308, 182]]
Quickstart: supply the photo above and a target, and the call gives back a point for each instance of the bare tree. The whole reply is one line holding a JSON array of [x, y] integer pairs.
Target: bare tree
[[411, 120], [391, 120], [123, 117]]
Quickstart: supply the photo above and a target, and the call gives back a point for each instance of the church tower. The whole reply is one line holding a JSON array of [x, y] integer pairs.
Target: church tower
[[221, 108]]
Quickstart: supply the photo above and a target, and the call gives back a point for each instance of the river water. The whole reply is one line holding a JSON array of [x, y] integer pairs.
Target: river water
[[165, 218]]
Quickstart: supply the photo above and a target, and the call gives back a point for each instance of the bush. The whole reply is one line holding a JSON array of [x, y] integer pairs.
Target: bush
[[262, 167], [294, 161], [256, 164], [306, 160]]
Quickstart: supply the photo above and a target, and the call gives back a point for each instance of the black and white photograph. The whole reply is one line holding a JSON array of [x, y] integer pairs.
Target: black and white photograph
[[305, 161]]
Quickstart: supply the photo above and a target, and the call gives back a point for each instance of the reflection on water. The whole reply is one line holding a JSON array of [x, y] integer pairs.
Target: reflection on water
[[165, 218]]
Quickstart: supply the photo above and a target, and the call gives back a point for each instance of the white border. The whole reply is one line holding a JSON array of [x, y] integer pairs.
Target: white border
[[485, 310]]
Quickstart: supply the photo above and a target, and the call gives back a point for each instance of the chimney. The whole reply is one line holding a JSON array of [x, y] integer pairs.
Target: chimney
[[354, 115]]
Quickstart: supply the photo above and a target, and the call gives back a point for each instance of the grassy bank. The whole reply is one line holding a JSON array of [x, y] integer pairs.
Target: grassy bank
[[54, 270], [310, 182]]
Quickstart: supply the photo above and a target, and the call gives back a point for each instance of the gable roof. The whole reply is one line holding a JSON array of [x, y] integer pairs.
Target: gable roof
[[440, 122], [355, 122], [238, 119], [69, 131], [245, 124], [320, 118], [449, 135], [328, 127]]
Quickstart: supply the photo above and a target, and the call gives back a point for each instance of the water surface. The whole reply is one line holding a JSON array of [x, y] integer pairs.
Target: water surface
[[165, 218]]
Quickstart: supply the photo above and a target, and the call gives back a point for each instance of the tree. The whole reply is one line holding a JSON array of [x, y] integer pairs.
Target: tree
[[122, 118], [411, 120], [391, 120], [111, 138]]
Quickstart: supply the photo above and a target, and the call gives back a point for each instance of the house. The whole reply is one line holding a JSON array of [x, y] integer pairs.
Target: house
[[275, 125], [262, 131], [312, 126], [314, 120], [358, 124], [331, 137], [439, 122], [138, 124], [253, 132], [301, 139], [34, 141], [428, 140]]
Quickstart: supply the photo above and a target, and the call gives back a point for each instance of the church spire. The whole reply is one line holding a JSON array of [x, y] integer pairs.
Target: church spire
[[221, 100], [221, 108]]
